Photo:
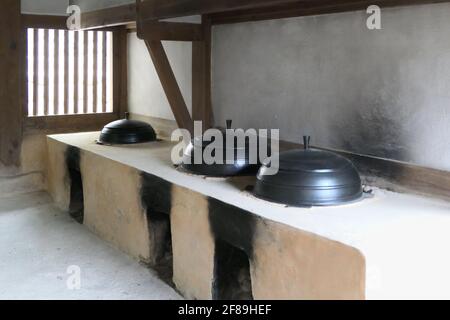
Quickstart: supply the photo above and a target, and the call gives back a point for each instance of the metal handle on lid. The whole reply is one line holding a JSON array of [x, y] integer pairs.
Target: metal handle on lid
[[306, 142]]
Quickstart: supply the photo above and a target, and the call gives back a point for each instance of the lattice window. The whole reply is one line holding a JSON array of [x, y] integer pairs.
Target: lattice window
[[69, 72]]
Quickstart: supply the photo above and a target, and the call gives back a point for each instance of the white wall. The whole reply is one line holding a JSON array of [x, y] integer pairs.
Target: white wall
[[45, 7], [384, 93], [146, 95]]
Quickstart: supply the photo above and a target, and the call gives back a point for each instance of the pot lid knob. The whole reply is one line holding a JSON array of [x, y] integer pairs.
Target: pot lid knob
[[306, 142], [127, 116], [229, 124]]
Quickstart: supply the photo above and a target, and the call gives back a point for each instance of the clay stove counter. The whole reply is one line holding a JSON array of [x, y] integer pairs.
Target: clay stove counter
[[402, 238]]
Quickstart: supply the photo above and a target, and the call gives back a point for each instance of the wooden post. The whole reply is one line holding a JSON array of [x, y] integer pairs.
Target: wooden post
[[201, 77], [120, 71], [11, 110]]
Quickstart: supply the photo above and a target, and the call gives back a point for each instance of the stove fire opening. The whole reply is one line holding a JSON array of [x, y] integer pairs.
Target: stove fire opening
[[232, 273], [76, 207], [161, 240]]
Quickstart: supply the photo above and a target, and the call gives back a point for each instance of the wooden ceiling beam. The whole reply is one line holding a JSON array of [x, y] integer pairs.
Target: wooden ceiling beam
[[170, 31], [43, 21], [164, 9], [307, 8], [109, 17], [231, 11]]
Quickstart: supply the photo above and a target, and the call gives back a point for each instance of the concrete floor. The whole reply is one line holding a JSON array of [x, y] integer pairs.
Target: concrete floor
[[38, 243]]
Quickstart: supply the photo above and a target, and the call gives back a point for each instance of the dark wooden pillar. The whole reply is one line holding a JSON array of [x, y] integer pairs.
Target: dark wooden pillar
[[11, 108], [201, 76]]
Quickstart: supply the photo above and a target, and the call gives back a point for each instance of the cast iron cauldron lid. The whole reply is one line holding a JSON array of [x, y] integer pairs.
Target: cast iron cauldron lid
[[126, 131], [241, 161], [310, 177]]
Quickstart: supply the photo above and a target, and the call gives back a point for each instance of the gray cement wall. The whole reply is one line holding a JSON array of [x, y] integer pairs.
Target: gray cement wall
[[384, 93]]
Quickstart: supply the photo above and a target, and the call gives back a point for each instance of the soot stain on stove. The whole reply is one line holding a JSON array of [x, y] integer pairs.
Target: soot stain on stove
[[73, 158], [156, 194], [233, 225], [156, 198], [76, 206], [234, 232]]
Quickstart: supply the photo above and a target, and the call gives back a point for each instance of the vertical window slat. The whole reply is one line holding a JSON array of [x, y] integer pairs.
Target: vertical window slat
[[30, 70], [56, 96], [66, 72], [85, 72], [35, 72], [104, 67], [76, 57], [46, 73], [110, 102], [95, 73], [75, 68]]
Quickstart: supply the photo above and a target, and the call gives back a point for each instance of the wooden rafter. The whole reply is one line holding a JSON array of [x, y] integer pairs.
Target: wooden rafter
[[164, 9], [227, 11], [170, 31], [109, 17], [306, 9], [43, 21]]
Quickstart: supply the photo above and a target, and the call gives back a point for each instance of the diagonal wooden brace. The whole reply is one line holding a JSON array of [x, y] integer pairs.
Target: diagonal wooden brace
[[170, 85]]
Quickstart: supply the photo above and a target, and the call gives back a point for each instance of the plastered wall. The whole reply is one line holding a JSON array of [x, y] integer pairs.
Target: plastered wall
[[384, 92]]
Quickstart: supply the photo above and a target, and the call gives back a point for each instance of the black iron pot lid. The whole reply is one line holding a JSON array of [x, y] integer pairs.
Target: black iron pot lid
[[240, 162], [126, 131], [310, 177]]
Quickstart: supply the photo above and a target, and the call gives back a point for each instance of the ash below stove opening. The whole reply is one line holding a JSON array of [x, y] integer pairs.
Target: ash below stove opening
[[161, 241], [232, 279], [76, 207]]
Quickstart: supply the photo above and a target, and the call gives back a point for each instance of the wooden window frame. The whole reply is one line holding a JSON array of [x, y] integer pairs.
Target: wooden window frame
[[76, 122]]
